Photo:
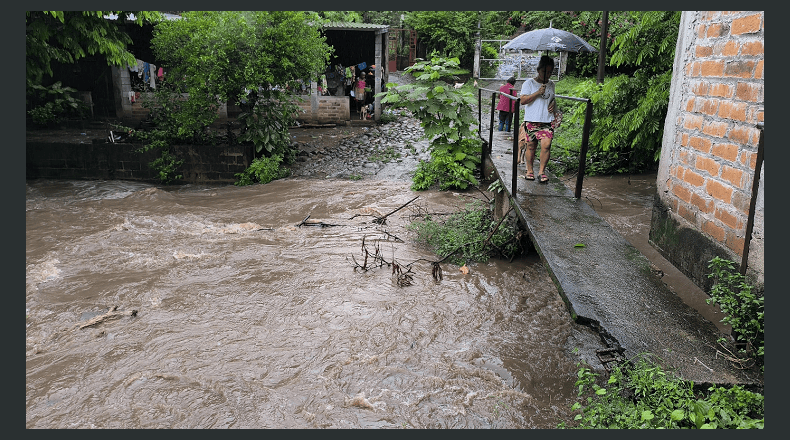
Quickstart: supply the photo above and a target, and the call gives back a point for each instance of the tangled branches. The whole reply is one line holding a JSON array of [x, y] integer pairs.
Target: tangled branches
[[403, 274]]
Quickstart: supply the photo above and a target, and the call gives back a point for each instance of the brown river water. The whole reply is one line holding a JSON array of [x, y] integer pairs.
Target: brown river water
[[247, 320]]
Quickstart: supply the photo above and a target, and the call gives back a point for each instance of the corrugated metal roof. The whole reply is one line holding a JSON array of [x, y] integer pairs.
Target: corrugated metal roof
[[347, 25]]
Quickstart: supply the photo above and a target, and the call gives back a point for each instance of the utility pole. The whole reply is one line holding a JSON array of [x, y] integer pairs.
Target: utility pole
[[602, 50]]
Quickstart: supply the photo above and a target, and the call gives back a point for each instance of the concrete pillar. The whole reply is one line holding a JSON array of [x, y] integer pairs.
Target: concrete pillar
[[478, 49], [122, 85], [377, 82], [313, 101], [501, 204]]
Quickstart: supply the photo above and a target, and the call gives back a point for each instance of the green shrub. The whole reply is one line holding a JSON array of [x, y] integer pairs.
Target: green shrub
[[262, 170], [462, 236], [166, 166], [642, 395], [53, 104], [446, 117], [745, 310]]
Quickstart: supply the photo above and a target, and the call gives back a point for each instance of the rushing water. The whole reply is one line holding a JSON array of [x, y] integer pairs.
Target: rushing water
[[246, 320]]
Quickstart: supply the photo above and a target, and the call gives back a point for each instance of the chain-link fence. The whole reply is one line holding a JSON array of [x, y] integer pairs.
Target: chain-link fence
[[520, 64]]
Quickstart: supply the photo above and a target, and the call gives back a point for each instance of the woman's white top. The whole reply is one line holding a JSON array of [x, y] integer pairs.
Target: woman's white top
[[537, 110]]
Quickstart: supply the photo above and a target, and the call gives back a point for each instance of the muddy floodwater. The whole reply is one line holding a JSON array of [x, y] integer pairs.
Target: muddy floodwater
[[246, 320]]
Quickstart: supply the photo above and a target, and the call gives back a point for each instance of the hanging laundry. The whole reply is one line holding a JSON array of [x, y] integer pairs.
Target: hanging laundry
[[160, 73], [362, 65], [152, 82], [138, 67], [131, 97], [146, 72]]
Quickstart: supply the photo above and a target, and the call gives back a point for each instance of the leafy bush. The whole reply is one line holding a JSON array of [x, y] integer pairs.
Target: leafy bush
[[447, 119], [449, 167], [641, 395], [744, 309], [166, 167], [245, 57], [462, 236], [53, 104], [262, 170]]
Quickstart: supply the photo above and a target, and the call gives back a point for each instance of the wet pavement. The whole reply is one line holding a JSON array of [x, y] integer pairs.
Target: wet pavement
[[609, 284]]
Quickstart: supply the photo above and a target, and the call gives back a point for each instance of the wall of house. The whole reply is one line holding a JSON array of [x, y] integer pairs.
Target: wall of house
[[316, 109], [709, 148], [101, 160]]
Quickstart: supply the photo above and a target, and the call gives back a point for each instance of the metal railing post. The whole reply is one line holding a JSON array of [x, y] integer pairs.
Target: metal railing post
[[479, 110], [491, 127], [479, 128], [516, 124], [755, 187], [583, 152]]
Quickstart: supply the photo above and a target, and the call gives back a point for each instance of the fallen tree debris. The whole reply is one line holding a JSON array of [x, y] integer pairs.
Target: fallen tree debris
[[381, 220], [321, 224], [111, 314]]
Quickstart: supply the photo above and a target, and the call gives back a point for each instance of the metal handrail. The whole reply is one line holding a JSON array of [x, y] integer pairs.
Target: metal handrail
[[514, 183]]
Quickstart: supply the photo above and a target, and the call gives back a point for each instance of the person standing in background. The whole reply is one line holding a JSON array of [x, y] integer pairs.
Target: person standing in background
[[506, 105]]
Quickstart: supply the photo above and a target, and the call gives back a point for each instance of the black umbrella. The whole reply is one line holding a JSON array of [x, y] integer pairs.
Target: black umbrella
[[549, 39]]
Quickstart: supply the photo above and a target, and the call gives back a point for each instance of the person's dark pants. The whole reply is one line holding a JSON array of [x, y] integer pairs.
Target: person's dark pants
[[504, 120]]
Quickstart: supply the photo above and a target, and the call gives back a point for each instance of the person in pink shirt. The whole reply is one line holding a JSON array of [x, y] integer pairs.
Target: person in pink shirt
[[359, 91], [506, 105]]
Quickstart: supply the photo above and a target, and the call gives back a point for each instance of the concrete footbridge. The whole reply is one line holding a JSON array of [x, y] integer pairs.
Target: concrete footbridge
[[605, 281]]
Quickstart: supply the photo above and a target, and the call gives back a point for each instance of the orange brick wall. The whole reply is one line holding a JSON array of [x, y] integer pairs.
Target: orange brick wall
[[710, 141]]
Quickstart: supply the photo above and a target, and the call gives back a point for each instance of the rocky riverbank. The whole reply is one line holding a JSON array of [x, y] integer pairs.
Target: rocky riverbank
[[385, 151]]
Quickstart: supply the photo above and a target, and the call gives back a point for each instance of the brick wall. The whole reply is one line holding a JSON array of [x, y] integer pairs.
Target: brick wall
[[710, 142], [202, 163], [325, 109]]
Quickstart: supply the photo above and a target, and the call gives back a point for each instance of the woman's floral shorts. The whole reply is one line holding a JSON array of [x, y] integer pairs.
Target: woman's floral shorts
[[532, 131]]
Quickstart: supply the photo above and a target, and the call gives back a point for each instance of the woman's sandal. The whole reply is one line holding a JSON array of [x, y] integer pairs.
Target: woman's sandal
[[529, 176], [543, 178]]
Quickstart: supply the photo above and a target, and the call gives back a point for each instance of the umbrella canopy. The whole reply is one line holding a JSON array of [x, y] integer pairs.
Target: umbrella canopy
[[555, 40]]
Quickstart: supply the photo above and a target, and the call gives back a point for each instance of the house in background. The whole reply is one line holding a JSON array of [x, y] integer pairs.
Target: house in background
[[110, 90], [356, 45]]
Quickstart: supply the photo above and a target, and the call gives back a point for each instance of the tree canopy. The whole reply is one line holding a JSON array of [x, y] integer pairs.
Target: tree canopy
[[67, 36], [244, 57]]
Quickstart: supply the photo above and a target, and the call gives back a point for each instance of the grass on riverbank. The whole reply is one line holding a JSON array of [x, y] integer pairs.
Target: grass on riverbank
[[469, 235], [641, 395]]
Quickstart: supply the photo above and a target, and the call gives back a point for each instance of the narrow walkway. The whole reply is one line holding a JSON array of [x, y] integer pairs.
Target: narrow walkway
[[608, 283]]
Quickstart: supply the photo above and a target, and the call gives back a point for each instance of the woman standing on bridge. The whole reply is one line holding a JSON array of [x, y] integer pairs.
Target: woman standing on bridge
[[537, 97], [506, 105]]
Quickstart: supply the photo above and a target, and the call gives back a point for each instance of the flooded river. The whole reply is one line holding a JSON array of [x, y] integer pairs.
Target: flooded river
[[246, 320]]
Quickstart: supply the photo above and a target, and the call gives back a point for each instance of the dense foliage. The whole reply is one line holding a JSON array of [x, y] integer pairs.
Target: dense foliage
[[250, 58], [67, 36], [262, 170], [469, 235], [629, 109], [640, 395], [453, 33], [447, 119], [54, 103], [745, 309]]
